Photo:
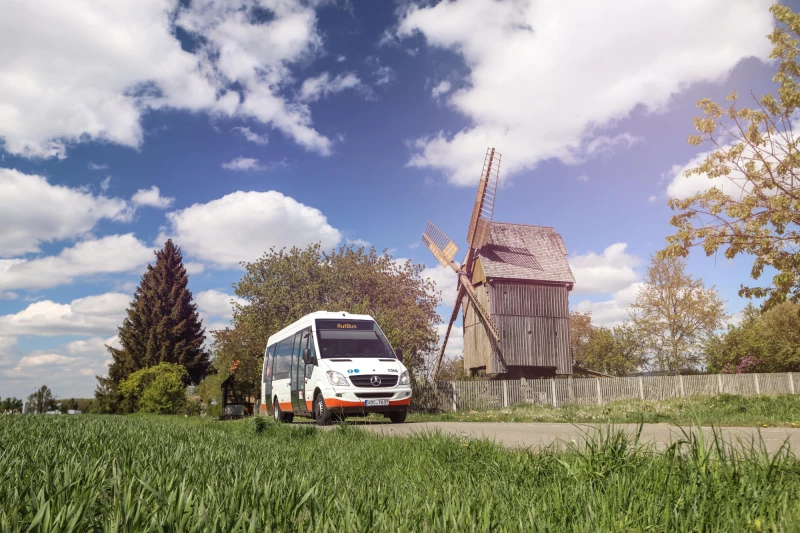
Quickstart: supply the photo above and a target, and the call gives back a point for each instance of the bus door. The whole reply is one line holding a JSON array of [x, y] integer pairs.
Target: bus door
[[266, 379], [299, 372]]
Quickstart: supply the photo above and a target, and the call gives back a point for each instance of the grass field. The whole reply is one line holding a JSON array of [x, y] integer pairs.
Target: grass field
[[722, 410], [93, 473]]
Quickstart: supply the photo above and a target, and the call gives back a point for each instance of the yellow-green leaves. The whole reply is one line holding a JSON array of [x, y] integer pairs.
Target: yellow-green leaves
[[753, 207]]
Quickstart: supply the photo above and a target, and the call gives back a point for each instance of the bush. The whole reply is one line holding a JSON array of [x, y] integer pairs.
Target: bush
[[156, 389]]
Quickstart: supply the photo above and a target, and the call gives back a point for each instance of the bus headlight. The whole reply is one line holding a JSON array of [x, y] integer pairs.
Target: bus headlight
[[404, 378], [336, 379]]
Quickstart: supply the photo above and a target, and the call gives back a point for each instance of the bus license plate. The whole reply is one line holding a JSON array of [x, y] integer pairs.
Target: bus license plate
[[372, 403]]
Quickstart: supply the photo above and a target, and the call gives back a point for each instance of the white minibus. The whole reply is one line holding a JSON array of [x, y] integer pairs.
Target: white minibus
[[333, 365]]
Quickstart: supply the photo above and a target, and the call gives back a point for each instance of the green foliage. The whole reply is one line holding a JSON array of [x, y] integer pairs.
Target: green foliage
[[162, 325], [282, 286], [188, 474], [773, 338], [42, 400], [674, 315], [11, 405], [157, 389], [753, 207], [617, 351]]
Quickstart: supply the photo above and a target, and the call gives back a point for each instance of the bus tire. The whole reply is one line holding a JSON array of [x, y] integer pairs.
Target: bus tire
[[322, 414], [280, 416], [398, 417]]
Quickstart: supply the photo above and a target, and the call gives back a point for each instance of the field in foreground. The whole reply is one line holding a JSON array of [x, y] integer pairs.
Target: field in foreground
[[721, 410], [93, 473]]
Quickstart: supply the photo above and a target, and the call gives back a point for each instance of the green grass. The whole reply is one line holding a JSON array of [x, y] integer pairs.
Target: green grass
[[722, 410], [93, 473]]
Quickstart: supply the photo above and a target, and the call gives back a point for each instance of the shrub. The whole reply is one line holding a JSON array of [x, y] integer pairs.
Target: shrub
[[156, 389]]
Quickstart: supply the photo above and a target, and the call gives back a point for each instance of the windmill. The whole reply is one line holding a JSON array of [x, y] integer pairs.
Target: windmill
[[513, 288]]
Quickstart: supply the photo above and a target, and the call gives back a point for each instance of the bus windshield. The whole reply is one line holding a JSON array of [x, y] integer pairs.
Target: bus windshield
[[351, 339]]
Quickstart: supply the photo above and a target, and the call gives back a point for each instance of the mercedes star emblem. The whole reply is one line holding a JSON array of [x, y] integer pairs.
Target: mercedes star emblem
[[375, 380]]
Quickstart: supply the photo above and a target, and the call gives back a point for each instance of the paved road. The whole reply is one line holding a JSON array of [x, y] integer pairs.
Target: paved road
[[537, 435]]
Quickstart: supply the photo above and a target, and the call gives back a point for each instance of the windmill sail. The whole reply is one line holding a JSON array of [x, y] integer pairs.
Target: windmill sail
[[483, 211], [441, 246]]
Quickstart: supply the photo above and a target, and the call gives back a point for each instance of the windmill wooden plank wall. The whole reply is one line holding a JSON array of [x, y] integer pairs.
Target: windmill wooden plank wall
[[514, 287], [531, 315]]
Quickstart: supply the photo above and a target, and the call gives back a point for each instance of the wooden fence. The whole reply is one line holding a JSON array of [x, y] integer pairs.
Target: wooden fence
[[477, 395]]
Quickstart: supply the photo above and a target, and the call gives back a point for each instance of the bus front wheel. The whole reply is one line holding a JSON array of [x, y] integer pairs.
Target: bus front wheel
[[398, 417], [322, 414]]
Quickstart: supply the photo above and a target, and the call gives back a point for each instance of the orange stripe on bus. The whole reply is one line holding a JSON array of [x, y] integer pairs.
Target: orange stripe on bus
[[286, 407]]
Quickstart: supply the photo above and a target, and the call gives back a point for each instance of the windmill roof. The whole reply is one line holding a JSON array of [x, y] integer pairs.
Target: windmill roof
[[518, 251]]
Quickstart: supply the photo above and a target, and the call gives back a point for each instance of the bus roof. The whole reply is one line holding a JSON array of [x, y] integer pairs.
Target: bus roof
[[310, 318]]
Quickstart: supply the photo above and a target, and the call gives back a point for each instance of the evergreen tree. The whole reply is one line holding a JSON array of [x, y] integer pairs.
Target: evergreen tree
[[162, 326]]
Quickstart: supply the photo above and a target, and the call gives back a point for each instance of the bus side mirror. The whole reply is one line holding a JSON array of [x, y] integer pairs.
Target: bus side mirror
[[399, 353], [307, 359]]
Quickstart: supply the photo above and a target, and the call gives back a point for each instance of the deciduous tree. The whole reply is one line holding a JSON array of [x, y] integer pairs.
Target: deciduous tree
[[42, 400], [674, 315], [753, 205], [282, 286]]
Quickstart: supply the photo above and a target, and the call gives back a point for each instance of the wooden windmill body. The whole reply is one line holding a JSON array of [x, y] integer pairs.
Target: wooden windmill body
[[513, 288]]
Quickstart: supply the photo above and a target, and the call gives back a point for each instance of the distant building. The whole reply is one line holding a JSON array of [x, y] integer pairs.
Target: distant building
[[74, 412]]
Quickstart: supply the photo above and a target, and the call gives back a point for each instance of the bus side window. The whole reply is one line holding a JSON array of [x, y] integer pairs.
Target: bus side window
[[268, 363], [310, 346]]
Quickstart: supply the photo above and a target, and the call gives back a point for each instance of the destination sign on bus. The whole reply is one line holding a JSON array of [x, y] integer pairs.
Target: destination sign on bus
[[345, 324]]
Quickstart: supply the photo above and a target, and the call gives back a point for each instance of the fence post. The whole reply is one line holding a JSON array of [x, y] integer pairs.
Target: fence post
[[455, 406], [570, 393], [680, 380], [791, 382], [641, 388], [555, 400], [719, 382], [758, 389], [505, 393], [599, 397]]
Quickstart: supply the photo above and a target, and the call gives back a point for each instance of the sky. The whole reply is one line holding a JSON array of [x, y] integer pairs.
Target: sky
[[236, 126]]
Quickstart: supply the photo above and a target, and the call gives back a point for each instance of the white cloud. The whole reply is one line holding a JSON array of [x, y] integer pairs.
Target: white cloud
[[455, 342], [151, 197], [359, 242], [252, 136], [340, 58], [446, 281], [93, 345], [216, 304], [105, 183], [45, 359], [33, 212], [83, 70], [613, 312], [652, 199], [529, 61], [682, 187], [604, 144], [242, 226], [243, 164], [321, 86], [443, 87], [91, 315], [8, 295], [97, 166], [583, 178], [110, 255], [193, 267], [609, 272]]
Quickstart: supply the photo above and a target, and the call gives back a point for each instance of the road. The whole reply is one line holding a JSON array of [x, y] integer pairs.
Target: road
[[520, 435]]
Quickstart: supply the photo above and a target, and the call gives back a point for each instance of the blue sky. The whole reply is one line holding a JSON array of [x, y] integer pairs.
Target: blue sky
[[281, 122]]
